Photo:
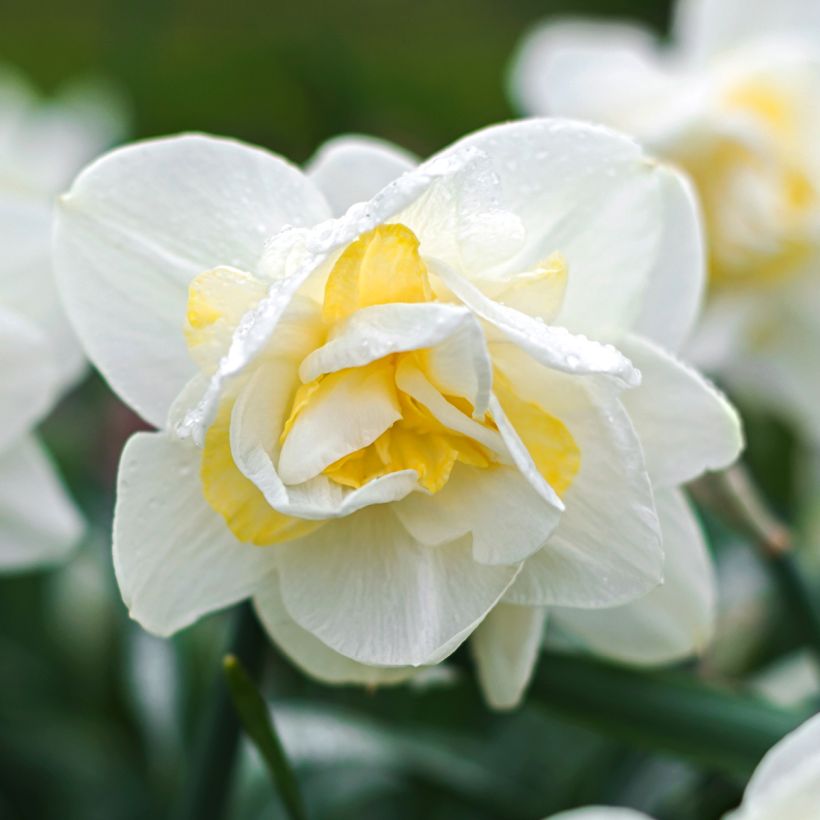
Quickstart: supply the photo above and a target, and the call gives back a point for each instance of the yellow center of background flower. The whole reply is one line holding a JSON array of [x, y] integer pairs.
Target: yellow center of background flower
[[758, 201]]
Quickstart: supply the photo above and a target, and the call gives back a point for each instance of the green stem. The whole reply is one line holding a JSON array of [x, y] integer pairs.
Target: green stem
[[734, 497], [662, 711], [259, 727], [800, 599], [211, 772]]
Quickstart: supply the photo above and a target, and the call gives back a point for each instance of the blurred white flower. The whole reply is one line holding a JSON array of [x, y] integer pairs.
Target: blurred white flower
[[38, 522], [42, 144], [785, 786], [425, 410], [735, 100]]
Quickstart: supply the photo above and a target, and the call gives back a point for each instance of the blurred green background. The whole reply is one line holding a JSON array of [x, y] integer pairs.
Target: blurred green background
[[289, 75], [95, 716]]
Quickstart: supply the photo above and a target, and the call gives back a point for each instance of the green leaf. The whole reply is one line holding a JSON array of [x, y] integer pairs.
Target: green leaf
[[258, 725], [664, 711]]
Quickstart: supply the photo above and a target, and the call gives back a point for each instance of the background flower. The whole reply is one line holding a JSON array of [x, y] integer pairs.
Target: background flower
[[732, 100], [785, 784], [42, 143]]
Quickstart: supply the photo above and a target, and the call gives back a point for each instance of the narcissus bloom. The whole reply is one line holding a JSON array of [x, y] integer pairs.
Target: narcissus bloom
[[402, 405], [38, 522], [785, 786], [735, 101], [42, 144]]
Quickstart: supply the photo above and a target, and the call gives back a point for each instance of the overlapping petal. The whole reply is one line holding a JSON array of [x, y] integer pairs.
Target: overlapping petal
[[174, 557], [505, 647], [40, 524], [508, 519], [140, 223], [686, 425], [367, 589], [673, 621], [675, 291], [351, 169], [258, 416], [607, 547], [309, 653], [589, 194]]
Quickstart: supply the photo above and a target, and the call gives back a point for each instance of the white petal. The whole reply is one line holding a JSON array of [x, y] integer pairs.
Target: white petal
[[140, 223], [685, 425], [46, 141], [673, 298], [174, 557], [256, 422], [600, 813], [770, 357], [412, 381], [462, 219], [344, 415], [589, 194], [521, 457], [378, 331], [505, 647], [787, 782], [552, 346], [606, 549], [704, 28], [508, 519], [29, 376], [423, 199], [582, 69], [309, 653], [352, 169], [39, 523], [27, 283], [368, 590], [672, 622]]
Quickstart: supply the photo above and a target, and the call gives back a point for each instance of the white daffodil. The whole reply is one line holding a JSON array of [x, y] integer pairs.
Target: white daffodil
[[414, 416], [785, 786], [42, 144], [735, 101], [38, 522]]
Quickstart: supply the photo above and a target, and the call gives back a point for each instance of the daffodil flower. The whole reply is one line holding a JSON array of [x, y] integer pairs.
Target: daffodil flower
[[785, 786], [401, 404], [42, 144], [734, 100]]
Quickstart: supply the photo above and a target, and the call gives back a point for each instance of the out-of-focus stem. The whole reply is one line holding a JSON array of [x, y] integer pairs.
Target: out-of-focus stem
[[211, 767], [259, 727], [733, 497]]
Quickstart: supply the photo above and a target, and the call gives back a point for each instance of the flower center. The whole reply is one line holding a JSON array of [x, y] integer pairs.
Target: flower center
[[759, 202], [404, 418]]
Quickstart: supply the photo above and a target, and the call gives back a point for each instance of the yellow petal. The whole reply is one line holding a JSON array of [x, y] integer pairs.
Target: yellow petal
[[380, 267], [550, 444], [217, 301], [418, 441], [236, 498], [539, 292]]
